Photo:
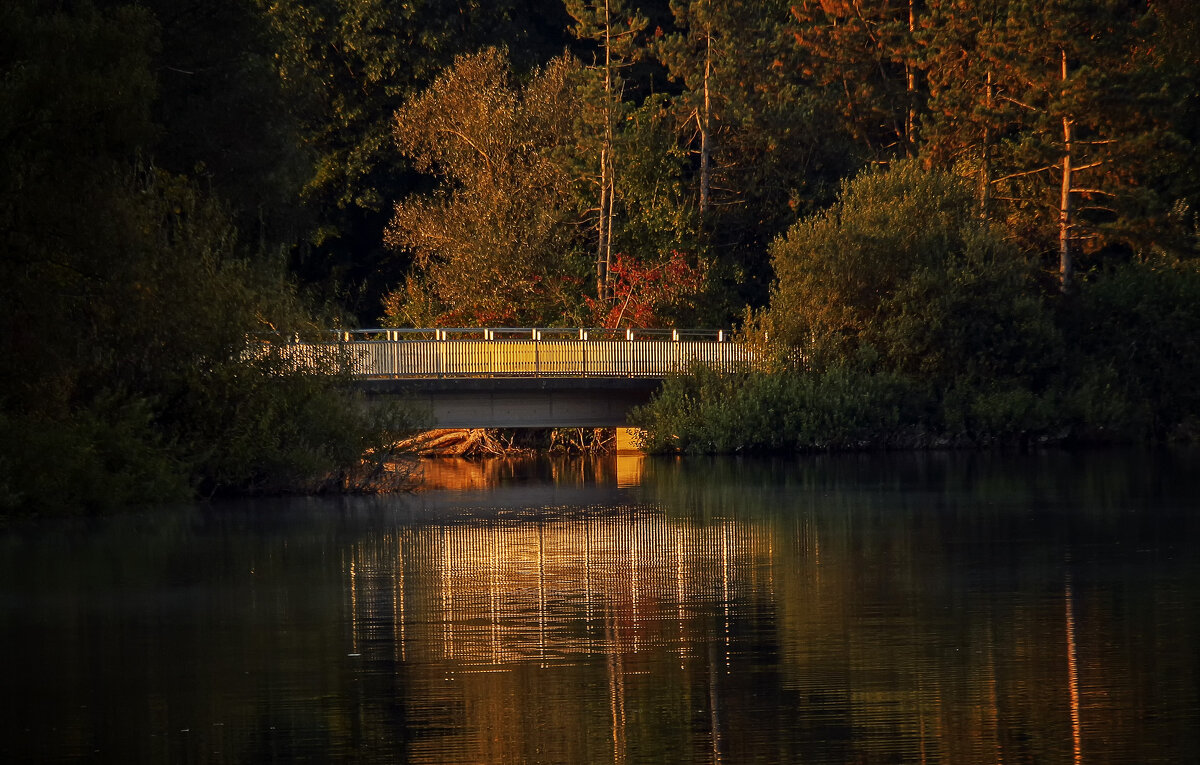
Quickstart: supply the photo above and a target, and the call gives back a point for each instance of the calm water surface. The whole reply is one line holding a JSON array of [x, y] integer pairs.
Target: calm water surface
[[913, 608]]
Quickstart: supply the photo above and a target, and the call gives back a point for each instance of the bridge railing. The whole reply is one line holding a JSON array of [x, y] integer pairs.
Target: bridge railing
[[526, 352]]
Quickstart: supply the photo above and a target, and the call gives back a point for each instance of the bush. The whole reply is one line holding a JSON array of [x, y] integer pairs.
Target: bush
[[100, 459], [1136, 331], [145, 392], [903, 265], [840, 408]]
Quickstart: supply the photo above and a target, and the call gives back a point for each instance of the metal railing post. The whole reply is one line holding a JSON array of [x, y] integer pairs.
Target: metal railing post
[[439, 349], [583, 341]]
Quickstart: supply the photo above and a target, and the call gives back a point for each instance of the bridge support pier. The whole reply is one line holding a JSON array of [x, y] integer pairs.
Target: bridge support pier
[[627, 441]]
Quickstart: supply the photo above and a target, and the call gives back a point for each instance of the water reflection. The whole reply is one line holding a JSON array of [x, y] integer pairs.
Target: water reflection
[[950, 609], [605, 598], [623, 470]]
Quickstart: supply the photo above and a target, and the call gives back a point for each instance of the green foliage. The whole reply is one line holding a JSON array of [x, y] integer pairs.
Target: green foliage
[[900, 263], [265, 426], [346, 68], [760, 141], [840, 408], [975, 317], [1136, 335], [144, 145], [496, 243], [904, 319], [128, 300], [860, 56], [101, 458], [656, 214], [1018, 89], [226, 116]]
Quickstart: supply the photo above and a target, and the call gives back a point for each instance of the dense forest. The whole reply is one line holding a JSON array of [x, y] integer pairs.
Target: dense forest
[[955, 220]]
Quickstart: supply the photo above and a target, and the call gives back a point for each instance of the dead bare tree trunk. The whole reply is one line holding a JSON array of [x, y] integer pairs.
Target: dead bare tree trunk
[[705, 131], [1065, 222], [910, 76], [607, 166], [985, 171]]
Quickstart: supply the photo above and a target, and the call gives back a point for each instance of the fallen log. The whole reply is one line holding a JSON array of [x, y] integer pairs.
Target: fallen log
[[461, 442]]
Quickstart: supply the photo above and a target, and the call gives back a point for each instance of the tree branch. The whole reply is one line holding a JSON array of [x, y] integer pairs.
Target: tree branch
[[1020, 104], [469, 142], [1027, 172]]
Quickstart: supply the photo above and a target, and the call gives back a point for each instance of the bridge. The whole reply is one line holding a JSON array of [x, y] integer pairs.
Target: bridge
[[524, 377]]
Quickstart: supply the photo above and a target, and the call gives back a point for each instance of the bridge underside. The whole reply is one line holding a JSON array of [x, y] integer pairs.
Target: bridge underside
[[515, 402]]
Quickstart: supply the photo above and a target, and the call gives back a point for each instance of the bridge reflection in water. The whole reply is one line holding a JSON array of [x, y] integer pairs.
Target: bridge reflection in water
[[941, 608], [554, 590], [748, 625], [484, 604]]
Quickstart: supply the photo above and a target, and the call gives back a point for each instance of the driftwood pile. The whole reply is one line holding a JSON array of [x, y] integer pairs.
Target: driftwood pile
[[482, 442], [461, 442]]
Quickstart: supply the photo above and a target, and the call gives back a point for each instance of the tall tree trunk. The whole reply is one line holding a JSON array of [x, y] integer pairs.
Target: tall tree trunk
[[608, 229], [607, 166], [604, 230], [985, 170], [601, 260], [1065, 266], [705, 132], [910, 77]]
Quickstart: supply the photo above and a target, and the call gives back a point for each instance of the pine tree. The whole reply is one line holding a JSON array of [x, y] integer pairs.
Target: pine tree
[[860, 53], [615, 30], [1054, 105], [761, 147]]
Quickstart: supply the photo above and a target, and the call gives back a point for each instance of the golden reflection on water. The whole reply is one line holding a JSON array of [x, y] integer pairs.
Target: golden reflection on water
[[630, 469], [478, 612], [479, 604], [496, 593], [623, 470], [817, 613]]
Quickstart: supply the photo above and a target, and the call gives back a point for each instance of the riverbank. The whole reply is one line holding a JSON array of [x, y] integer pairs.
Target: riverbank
[[847, 409]]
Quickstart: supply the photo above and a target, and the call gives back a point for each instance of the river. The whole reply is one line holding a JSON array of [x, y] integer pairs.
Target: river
[[931, 608]]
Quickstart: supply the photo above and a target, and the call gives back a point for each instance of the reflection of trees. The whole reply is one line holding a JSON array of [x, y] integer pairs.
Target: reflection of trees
[[486, 474], [830, 613], [976, 607]]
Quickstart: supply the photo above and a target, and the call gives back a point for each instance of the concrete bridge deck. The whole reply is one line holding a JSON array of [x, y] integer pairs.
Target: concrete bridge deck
[[525, 377]]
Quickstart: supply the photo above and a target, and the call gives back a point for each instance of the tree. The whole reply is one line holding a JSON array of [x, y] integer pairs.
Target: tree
[[614, 29], [762, 151], [861, 54], [497, 242], [127, 296], [1174, 174], [347, 67], [1057, 106], [649, 296], [225, 116], [900, 267], [690, 57]]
